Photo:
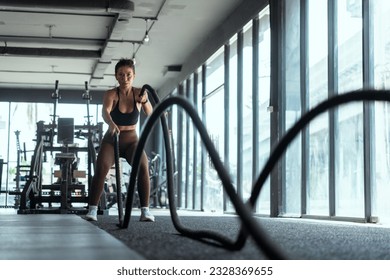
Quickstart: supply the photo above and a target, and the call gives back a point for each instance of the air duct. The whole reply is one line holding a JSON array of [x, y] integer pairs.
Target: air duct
[[122, 7]]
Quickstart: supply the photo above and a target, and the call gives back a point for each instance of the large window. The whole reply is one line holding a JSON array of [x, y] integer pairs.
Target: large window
[[239, 124], [324, 170]]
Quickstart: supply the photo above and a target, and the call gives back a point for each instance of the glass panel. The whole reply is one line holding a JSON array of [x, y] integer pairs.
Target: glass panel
[[76, 111], [182, 143], [381, 29], [190, 146], [199, 144], [214, 123], [293, 107], [263, 205], [247, 153], [213, 187], [349, 128], [318, 173], [232, 164]]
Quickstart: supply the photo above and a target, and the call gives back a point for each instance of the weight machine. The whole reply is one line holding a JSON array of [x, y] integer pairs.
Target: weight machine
[[65, 189]]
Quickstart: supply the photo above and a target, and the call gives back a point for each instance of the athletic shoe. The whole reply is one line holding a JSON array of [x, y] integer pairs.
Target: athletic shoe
[[145, 215], [92, 215]]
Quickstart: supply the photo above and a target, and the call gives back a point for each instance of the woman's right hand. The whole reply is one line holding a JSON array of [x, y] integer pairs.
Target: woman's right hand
[[113, 128]]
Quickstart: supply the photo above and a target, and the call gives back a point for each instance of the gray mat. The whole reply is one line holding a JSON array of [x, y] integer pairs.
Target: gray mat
[[299, 239]]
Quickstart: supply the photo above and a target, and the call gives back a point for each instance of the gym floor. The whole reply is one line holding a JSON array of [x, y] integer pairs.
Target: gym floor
[[57, 237], [71, 237]]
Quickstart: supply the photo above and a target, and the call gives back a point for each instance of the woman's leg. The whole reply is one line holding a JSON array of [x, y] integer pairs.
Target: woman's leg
[[105, 160], [143, 181], [128, 146]]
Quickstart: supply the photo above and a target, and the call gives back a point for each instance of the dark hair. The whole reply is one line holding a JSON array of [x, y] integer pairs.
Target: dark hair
[[125, 62]]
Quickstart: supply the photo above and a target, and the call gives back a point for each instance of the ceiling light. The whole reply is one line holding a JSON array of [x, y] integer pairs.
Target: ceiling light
[[133, 58], [146, 38]]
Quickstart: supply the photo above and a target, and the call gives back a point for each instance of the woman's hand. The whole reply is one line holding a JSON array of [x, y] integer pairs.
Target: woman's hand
[[143, 97], [113, 128]]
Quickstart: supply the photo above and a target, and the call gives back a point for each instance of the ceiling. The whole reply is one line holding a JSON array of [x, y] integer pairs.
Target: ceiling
[[76, 42]]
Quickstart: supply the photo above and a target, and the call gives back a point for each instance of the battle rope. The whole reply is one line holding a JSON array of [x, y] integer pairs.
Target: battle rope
[[249, 225], [118, 178]]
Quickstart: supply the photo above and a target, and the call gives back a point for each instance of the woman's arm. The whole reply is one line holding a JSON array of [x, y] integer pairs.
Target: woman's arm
[[108, 101], [147, 107], [144, 100]]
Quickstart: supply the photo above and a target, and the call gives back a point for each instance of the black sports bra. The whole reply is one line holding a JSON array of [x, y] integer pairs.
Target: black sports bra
[[124, 119]]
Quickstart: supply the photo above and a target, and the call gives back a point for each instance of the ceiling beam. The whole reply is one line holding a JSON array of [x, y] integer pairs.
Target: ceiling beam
[[48, 52], [52, 40], [108, 50]]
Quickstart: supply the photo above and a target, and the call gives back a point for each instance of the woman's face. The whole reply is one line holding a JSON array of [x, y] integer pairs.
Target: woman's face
[[125, 76]]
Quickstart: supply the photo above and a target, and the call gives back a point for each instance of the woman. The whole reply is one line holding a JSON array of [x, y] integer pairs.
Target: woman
[[121, 109]]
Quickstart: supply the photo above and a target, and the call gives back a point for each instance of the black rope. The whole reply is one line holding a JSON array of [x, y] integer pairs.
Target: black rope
[[249, 225], [118, 177]]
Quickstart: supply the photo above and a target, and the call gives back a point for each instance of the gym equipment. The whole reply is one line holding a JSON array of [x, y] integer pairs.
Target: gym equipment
[[91, 159], [87, 97], [66, 191], [157, 191], [55, 96], [19, 169]]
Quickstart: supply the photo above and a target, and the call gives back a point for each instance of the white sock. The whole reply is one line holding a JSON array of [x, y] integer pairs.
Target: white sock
[[92, 207]]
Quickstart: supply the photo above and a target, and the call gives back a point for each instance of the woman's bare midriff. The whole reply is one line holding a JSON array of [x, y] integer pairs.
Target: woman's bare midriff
[[127, 127]]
